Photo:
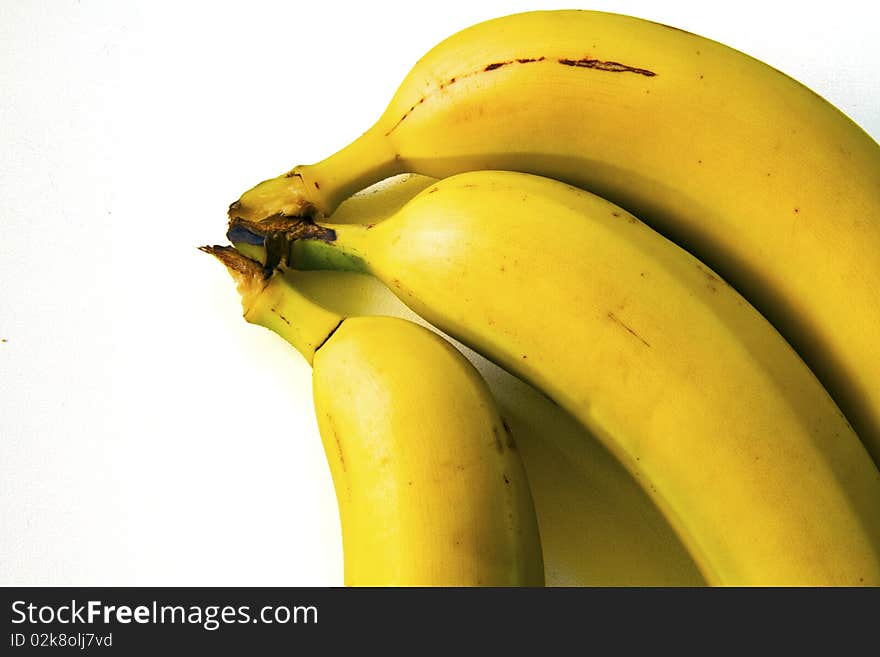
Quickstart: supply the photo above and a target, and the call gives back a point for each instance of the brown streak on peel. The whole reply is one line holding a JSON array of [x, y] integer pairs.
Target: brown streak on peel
[[492, 67], [332, 426], [617, 320], [453, 80], [510, 442], [584, 62], [708, 274], [497, 441], [329, 335], [712, 277], [614, 67], [339, 450], [283, 318]]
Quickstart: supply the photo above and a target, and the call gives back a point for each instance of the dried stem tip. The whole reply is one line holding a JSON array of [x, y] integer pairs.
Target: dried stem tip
[[248, 274], [277, 233]]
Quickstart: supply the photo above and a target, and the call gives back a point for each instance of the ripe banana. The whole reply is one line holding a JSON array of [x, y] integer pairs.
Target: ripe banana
[[597, 525], [430, 487], [687, 384], [759, 177]]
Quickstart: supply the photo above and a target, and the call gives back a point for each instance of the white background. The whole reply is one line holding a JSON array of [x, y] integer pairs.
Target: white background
[[148, 435]]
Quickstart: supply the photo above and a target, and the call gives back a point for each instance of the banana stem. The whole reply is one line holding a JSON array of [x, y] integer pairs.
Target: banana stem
[[311, 254], [299, 242], [317, 189], [274, 302]]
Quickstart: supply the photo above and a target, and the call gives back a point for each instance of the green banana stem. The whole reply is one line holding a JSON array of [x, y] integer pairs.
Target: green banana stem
[[310, 254], [274, 302], [299, 242]]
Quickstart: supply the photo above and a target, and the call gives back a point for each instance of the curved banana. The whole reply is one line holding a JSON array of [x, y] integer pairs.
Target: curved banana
[[598, 527], [430, 487], [762, 179], [688, 385]]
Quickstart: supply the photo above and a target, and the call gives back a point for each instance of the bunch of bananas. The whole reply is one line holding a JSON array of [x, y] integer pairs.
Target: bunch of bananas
[[675, 243]]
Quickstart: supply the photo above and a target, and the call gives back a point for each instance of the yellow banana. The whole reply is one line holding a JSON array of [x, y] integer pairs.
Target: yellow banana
[[688, 385], [430, 487], [762, 179], [598, 527]]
